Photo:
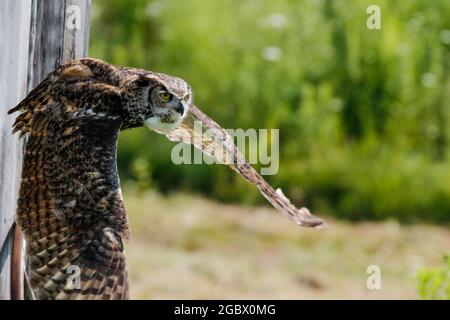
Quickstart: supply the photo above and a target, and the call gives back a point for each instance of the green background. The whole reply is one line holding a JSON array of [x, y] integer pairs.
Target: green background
[[363, 114]]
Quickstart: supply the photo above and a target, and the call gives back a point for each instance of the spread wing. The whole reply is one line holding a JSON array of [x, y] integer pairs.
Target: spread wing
[[205, 134], [70, 207]]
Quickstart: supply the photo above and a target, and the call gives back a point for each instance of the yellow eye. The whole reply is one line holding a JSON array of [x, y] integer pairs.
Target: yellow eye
[[165, 96]]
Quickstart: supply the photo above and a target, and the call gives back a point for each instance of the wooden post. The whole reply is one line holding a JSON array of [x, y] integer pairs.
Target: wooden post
[[14, 37], [35, 37]]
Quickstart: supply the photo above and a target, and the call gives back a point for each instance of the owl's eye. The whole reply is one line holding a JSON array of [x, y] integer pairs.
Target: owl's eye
[[187, 97], [165, 96]]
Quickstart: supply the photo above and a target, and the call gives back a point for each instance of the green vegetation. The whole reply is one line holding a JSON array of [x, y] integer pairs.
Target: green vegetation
[[363, 114], [434, 283]]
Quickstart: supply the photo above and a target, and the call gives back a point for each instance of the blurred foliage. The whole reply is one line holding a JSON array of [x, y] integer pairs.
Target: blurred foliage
[[363, 114], [434, 283]]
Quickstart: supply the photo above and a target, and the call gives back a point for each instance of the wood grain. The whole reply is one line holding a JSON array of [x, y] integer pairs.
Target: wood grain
[[14, 32], [34, 40]]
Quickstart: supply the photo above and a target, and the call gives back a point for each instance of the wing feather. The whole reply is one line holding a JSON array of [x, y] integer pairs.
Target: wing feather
[[70, 206], [205, 134]]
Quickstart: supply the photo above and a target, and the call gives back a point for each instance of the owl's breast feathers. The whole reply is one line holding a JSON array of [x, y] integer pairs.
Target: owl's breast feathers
[[70, 205]]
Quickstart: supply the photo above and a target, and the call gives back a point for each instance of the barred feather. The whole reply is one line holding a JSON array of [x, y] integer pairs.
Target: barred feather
[[70, 206]]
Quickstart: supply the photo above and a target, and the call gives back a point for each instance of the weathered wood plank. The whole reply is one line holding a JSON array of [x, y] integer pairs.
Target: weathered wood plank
[[47, 38], [76, 35], [14, 32], [35, 37], [60, 31]]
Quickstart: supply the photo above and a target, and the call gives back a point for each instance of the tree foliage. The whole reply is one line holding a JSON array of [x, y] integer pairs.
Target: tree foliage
[[363, 114]]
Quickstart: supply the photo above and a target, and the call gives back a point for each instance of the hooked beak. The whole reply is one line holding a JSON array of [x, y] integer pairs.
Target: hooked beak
[[180, 108]]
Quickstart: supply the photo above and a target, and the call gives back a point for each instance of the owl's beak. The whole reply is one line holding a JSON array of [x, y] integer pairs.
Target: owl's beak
[[180, 108]]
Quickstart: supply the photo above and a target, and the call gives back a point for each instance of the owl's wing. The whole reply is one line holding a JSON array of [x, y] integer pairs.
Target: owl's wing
[[205, 134], [70, 207]]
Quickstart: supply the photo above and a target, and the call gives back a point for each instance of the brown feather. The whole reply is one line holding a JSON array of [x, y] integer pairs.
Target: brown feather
[[216, 142], [70, 205]]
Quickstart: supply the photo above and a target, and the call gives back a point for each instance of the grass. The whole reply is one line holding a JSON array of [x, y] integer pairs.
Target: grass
[[187, 247]]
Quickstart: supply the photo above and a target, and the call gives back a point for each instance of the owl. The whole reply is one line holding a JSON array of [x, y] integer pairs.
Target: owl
[[70, 206]]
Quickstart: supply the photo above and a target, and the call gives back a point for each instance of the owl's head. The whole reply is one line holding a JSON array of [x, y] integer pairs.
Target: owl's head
[[157, 100], [170, 100]]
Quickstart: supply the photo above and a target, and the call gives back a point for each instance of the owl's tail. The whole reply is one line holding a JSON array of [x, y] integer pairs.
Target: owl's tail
[[67, 269]]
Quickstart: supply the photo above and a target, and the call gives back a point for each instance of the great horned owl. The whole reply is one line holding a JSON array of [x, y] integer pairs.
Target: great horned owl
[[70, 204]]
